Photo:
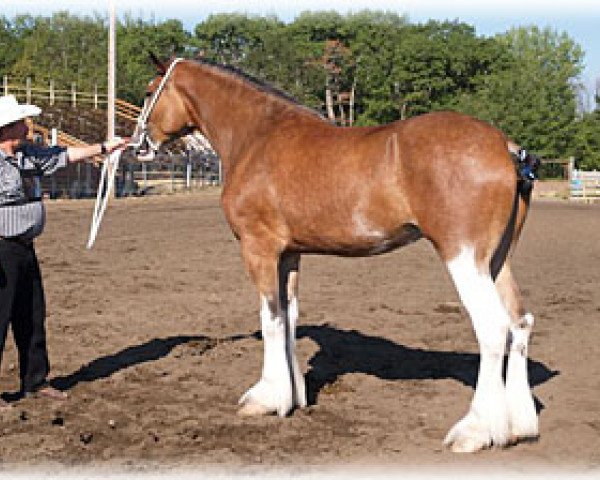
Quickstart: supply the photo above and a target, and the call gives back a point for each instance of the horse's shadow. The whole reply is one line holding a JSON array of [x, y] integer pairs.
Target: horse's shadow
[[349, 351], [340, 352]]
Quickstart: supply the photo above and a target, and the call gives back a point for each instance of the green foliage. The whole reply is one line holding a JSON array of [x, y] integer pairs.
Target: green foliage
[[136, 39], [586, 142], [523, 81], [532, 99]]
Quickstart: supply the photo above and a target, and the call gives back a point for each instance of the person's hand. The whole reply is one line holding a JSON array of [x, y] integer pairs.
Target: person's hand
[[116, 144]]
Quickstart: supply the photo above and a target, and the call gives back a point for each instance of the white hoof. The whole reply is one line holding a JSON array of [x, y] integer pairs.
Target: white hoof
[[523, 419], [472, 434], [265, 399]]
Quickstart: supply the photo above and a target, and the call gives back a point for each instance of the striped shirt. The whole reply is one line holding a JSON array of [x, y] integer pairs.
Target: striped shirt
[[22, 213]]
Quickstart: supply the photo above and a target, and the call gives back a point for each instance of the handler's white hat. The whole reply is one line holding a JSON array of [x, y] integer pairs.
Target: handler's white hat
[[11, 111]]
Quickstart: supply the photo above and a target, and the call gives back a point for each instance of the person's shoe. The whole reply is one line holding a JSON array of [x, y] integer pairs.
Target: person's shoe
[[4, 405], [52, 392], [49, 392]]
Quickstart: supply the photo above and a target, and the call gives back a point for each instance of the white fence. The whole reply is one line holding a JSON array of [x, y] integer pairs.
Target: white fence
[[585, 185]]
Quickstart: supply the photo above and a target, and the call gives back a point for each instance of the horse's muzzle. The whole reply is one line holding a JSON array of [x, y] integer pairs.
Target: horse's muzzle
[[142, 146]]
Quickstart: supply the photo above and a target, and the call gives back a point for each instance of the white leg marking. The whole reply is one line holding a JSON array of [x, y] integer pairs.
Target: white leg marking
[[273, 392], [293, 314], [521, 408], [487, 420]]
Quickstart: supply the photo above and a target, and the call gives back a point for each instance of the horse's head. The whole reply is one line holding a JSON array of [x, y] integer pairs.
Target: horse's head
[[164, 115]]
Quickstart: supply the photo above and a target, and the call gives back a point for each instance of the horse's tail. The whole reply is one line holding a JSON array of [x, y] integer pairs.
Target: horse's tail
[[526, 165]]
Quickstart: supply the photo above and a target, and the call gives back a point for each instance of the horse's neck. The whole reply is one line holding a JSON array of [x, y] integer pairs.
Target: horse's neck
[[232, 115]]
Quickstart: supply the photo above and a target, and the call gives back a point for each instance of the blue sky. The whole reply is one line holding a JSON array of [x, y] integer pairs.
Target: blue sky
[[580, 19]]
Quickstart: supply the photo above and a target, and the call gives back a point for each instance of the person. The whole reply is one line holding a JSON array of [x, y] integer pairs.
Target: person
[[22, 218]]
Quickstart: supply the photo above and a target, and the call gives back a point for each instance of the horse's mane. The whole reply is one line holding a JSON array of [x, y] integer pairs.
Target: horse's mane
[[257, 83]]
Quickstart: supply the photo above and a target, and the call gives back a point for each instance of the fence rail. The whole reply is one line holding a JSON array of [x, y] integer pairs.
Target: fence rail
[[168, 174], [585, 186], [173, 174], [24, 91]]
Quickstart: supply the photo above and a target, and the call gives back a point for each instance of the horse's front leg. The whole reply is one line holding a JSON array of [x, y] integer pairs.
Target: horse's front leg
[[273, 393]]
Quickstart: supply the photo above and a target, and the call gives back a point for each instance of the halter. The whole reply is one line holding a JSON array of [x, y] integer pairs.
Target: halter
[[142, 121]]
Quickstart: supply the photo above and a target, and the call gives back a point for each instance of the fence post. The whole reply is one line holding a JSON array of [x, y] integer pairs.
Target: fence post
[[73, 95], [188, 173], [88, 180], [53, 187], [570, 169], [172, 168], [28, 89], [5, 84], [51, 92], [145, 175]]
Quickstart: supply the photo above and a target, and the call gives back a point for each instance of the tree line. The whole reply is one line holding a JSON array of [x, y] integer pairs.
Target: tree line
[[368, 67]]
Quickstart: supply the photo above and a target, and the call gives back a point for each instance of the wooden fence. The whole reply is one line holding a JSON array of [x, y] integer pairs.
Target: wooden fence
[[24, 91]]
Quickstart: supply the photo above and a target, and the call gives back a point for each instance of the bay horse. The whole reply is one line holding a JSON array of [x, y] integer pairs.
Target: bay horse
[[294, 183]]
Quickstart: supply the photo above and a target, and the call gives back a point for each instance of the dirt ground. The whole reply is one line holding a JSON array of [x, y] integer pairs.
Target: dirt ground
[[153, 334]]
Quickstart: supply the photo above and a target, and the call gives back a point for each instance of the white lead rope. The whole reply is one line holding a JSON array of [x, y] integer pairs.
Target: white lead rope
[[105, 188], [111, 163]]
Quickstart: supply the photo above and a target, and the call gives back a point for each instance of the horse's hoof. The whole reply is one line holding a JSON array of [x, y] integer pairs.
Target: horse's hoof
[[467, 445], [524, 421], [264, 399], [251, 409], [471, 434]]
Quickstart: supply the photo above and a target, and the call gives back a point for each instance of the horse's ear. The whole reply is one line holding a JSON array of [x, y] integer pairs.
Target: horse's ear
[[160, 66]]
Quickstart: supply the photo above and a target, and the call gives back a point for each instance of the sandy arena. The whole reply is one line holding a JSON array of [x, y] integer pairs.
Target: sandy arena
[[154, 335]]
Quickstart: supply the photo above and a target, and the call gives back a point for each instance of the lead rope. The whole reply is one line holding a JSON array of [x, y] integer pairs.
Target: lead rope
[[105, 188], [111, 163]]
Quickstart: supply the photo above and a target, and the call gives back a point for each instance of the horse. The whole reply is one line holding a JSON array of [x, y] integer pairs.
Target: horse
[[295, 184]]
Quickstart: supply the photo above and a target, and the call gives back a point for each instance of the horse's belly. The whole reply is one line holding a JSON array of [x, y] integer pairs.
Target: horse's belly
[[360, 241]]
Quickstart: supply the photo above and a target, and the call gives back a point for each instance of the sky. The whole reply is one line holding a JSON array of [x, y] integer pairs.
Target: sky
[[580, 19]]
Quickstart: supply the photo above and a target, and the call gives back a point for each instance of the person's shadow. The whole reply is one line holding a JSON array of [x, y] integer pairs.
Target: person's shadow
[[349, 351], [106, 366]]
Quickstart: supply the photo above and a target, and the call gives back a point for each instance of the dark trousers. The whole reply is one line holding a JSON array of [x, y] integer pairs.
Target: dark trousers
[[23, 306]]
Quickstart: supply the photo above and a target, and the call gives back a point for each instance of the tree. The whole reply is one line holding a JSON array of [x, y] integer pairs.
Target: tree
[[63, 47], [533, 98], [586, 141], [137, 38]]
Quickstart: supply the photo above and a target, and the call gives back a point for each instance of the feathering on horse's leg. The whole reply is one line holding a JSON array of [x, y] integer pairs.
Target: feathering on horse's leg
[[521, 407], [288, 277], [273, 392], [486, 423]]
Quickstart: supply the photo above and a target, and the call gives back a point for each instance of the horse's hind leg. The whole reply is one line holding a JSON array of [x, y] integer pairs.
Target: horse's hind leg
[[487, 422], [521, 408], [288, 288], [273, 393]]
